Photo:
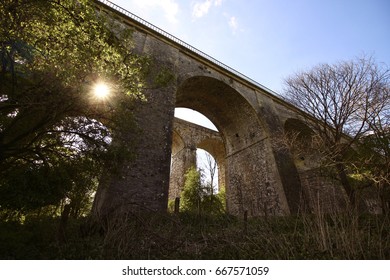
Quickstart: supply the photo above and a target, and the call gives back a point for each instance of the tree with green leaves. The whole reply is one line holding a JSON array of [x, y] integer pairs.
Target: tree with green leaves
[[191, 195], [197, 197], [52, 55]]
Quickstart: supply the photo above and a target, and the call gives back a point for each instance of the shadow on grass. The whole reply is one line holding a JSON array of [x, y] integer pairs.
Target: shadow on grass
[[189, 236]]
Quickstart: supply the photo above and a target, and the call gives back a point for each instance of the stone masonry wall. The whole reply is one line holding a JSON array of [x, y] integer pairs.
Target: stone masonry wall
[[260, 179]]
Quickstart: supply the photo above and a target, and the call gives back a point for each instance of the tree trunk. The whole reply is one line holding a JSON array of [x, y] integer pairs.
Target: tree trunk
[[384, 198], [345, 183], [61, 237]]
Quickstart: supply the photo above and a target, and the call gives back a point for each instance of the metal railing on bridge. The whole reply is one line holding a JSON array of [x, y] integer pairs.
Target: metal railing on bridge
[[187, 46]]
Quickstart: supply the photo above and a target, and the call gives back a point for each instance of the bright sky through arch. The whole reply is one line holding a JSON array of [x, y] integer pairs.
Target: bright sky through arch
[[194, 117], [270, 40]]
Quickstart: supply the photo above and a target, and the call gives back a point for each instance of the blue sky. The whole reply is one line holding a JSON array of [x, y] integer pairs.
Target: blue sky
[[268, 40]]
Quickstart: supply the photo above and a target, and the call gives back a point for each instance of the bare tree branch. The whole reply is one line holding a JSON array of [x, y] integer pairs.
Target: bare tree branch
[[348, 100]]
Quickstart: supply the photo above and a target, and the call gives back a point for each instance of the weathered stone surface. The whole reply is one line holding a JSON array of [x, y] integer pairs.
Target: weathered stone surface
[[260, 178], [142, 182], [187, 137]]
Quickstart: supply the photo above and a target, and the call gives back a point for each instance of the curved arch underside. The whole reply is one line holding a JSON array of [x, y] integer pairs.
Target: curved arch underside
[[252, 183], [224, 106], [261, 179]]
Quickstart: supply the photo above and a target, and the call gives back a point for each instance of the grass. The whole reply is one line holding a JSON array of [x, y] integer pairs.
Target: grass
[[188, 236]]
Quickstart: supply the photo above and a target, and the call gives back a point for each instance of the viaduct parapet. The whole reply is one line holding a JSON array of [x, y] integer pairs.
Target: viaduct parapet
[[260, 176]]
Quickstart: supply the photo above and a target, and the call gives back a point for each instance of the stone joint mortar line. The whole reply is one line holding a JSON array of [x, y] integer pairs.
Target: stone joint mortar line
[[240, 150]]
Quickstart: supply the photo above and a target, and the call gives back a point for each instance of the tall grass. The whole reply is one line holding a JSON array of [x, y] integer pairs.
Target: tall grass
[[190, 236]]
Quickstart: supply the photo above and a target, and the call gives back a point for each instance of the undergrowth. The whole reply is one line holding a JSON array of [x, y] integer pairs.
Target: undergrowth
[[189, 236]]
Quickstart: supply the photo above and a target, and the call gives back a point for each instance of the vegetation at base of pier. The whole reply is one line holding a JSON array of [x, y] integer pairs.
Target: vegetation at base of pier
[[197, 196], [190, 236]]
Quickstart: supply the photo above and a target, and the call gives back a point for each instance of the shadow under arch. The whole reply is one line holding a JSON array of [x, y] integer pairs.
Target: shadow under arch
[[227, 109], [299, 138], [183, 158], [177, 143], [252, 180], [321, 189]]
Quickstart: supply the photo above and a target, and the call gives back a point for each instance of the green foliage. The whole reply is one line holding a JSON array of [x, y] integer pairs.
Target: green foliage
[[163, 78], [36, 239], [52, 54], [54, 134], [191, 196], [197, 197], [171, 205], [222, 196], [31, 187]]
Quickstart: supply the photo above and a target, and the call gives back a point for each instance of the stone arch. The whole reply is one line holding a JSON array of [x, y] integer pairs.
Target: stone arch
[[252, 180], [183, 157], [321, 191], [223, 105], [177, 142], [187, 137], [299, 137], [261, 179]]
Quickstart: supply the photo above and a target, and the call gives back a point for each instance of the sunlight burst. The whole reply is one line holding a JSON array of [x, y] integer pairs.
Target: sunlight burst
[[101, 90]]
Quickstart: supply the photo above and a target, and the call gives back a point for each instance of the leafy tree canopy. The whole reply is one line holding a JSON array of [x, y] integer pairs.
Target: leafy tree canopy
[[52, 53], [197, 197]]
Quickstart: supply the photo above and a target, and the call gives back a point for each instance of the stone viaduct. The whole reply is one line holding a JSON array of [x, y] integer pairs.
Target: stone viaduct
[[187, 137], [260, 177]]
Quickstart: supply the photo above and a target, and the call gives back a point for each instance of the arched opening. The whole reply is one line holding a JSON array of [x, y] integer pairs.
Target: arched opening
[[301, 141], [196, 143], [321, 190], [194, 117], [250, 173], [208, 166]]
